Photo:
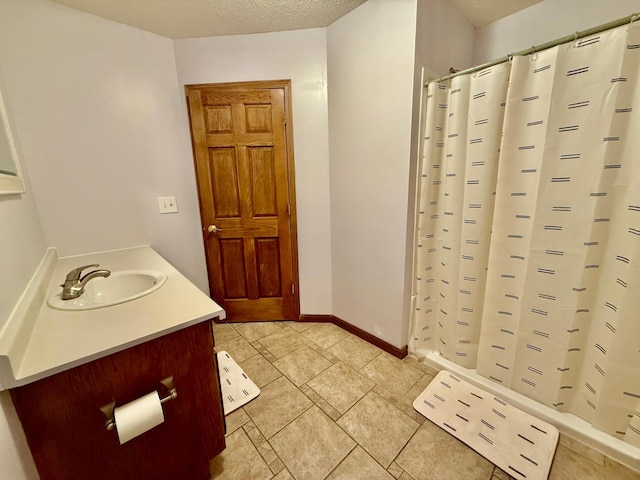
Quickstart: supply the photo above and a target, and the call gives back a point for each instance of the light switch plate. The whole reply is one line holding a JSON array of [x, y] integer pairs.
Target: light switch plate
[[167, 205]]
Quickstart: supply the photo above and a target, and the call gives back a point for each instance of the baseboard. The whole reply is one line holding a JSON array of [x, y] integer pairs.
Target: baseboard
[[305, 317], [387, 347]]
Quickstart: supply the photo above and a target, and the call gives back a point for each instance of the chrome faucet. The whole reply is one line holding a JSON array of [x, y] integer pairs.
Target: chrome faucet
[[73, 285]]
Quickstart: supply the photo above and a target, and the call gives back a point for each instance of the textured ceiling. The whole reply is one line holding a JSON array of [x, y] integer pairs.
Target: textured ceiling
[[204, 18]]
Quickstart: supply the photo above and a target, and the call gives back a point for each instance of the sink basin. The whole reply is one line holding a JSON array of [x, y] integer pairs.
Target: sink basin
[[119, 287]]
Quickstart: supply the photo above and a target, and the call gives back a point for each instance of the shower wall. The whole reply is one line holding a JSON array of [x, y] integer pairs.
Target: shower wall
[[543, 22]]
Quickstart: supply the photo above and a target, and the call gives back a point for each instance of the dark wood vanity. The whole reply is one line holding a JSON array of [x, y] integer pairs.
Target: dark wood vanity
[[66, 429]]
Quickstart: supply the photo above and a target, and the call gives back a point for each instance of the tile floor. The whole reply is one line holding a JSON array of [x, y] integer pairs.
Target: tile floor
[[335, 407]]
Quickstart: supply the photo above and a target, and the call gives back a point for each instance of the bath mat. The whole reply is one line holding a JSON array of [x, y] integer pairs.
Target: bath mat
[[237, 387], [518, 443]]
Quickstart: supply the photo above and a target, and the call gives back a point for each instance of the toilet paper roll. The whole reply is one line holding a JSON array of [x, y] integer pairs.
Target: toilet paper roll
[[139, 416]]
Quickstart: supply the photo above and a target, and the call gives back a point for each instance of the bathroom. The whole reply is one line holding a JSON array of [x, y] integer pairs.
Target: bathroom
[[102, 129]]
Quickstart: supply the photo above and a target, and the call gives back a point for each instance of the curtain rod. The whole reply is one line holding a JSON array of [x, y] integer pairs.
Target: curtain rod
[[569, 38]]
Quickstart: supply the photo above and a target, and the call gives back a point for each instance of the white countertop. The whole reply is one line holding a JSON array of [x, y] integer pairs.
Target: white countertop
[[59, 340]]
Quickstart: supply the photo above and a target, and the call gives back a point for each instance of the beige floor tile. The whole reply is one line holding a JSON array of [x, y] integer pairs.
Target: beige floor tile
[[341, 386], [320, 402], [283, 342], [359, 466], [238, 348], [302, 365], [395, 470], [618, 471], [236, 420], [259, 370], [315, 446], [582, 449], [392, 374], [253, 331], [255, 436], [387, 395], [223, 332], [499, 474], [418, 387], [312, 445], [412, 361], [380, 428], [277, 466], [264, 448], [325, 334], [284, 475], [239, 461], [302, 326], [405, 476], [569, 465], [433, 454], [325, 353], [405, 403], [354, 351], [283, 323], [410, 411], [278, 404]]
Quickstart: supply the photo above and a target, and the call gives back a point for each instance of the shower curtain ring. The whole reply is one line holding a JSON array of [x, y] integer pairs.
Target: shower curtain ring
[[634, 17], [534, 54], [509, 62]]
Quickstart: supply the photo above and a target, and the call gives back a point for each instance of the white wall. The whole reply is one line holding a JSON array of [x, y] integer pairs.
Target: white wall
[[370, 55], [99, 112], [546, 21], [98, 115], [444, 37], [22, 246], [22, 243], [300, 56]]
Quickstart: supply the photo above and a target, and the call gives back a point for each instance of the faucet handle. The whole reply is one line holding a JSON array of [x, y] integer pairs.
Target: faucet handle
[[74, 274]]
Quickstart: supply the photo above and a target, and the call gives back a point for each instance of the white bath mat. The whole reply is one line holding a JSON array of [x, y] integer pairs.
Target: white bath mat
[[237, 387], [518, 443]]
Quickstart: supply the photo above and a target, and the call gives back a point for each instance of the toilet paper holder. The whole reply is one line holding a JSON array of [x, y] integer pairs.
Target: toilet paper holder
[[171, 394]]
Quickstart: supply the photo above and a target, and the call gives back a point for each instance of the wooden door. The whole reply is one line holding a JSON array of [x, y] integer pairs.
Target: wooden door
[[244, 165]]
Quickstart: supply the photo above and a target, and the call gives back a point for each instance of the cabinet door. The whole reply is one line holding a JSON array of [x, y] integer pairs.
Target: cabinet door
[[66, 430]]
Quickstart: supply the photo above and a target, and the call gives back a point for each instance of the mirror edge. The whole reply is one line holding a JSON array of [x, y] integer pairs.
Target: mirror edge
[[10, 184]]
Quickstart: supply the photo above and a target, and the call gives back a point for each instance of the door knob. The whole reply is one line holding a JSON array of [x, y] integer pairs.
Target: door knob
[[213, 229]]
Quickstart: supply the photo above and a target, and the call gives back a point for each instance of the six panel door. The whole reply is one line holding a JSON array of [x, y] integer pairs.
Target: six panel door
[[240, 151]]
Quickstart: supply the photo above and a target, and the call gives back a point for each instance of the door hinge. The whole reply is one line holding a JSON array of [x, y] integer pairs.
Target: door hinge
[[289, 209], [293, 289]]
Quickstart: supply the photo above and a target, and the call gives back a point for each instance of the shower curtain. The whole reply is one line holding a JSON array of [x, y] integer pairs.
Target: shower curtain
[[528, 252]]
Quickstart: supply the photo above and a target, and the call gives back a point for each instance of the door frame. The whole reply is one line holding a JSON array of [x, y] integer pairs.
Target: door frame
[[288, 127]]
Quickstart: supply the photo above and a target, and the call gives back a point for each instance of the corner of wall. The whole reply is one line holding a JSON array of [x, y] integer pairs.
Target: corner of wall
[[370, 162]]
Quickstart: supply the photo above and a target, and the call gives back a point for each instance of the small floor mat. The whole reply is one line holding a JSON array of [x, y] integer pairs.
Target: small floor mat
[[518, 443], [237, 387]]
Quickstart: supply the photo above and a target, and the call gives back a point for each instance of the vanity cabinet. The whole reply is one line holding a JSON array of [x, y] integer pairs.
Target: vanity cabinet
[[66, 430]]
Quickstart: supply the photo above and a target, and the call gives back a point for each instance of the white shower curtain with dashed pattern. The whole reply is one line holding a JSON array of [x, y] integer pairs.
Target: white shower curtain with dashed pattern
[[528, 255]]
